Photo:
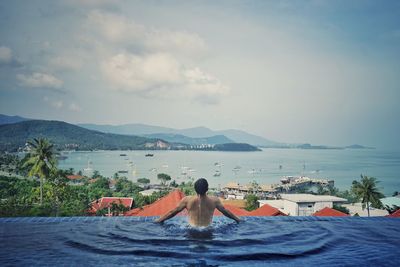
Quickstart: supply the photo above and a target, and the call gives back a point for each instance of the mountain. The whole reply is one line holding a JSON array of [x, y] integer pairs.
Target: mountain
[[178, 138], [357, 146], [5, 119], [65, 136], [237, 136], [135, 128]]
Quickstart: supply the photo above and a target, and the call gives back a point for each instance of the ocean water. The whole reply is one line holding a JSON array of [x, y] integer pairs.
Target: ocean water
[[343, 166], [258, 241]]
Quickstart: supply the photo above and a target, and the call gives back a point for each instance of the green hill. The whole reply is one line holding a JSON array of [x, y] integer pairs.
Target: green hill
[[66, 136]]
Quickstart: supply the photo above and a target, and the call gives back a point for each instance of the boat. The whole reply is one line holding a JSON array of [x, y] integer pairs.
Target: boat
[[122, 155], [61, 157], [122, 171], [149, 155], [217, 174], [88, 169]]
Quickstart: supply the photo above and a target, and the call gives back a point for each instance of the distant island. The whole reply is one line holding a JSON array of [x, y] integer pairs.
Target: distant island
[[138, 136], [65, 136]]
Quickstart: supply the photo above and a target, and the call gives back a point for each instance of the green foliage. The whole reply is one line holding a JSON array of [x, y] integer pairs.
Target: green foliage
[[66, 136], [125, 187], [163, 178], [367, 192], [41, 161], [141, 200], [174, 184], [251, 202], [187, 188], [143, 180]]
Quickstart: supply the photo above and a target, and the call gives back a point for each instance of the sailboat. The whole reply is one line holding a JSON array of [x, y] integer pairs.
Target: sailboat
[[89, 168]]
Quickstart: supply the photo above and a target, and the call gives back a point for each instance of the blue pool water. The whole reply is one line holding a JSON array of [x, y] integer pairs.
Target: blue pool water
[[258, 241]]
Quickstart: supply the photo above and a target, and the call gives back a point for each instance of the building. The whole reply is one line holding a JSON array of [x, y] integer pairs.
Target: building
[[106, 203], [149, 192], [395, 214], [234, 190], [303, 204], [391, 202], [356, 208], [267, 210], [328, 212]]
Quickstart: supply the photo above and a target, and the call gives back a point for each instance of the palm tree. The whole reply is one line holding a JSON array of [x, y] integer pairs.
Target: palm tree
[[367, 191], [41, 160]]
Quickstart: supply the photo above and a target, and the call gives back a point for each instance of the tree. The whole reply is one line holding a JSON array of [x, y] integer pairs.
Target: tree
[[251, 202], [255, 187], [41, 161], [367, 192], [143, 180], [163, 178], [174, 184]]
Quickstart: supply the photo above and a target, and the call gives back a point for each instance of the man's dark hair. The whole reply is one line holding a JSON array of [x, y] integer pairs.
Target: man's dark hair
[[201, 186]]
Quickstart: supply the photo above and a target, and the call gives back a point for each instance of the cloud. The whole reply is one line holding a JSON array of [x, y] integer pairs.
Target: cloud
[[119, 29], [39, 80], [160, 73], [57, 104], [130, 72], [74, 107], [65, 63], [60, 104], [91, 3], [5, 55]]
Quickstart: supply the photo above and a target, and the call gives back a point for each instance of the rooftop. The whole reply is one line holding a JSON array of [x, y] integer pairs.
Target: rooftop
[[330, 212], [391, 201], [299, 198]]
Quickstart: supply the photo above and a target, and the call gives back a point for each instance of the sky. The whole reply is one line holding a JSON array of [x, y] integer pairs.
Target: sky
[[320, 72]]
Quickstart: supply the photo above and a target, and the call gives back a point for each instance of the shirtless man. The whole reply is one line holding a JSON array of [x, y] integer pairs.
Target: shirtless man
[[200, 208]]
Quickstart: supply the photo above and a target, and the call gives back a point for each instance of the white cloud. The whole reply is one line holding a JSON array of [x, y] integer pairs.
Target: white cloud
[[5, 54], [130, 72], [161, 72], [119, 29], [65, 63], [40, 80], [74, 107], [57, 104]]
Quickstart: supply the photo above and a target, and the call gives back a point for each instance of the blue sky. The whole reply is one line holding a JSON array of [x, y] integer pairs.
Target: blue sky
[[324, 72]]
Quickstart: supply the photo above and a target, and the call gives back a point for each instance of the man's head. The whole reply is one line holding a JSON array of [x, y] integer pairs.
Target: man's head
[[201, 186]]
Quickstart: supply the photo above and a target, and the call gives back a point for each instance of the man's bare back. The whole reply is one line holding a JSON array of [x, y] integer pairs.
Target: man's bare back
[[200, 210]]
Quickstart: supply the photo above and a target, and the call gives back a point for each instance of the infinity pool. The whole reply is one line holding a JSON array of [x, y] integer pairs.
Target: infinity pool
[[135, 241]]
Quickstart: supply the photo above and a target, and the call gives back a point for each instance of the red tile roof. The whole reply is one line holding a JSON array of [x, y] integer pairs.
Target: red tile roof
[[235, 210], [161, 206], [329, 212], [105, 202], [394, 214], [170, 201], [267, 210], [74, 177]]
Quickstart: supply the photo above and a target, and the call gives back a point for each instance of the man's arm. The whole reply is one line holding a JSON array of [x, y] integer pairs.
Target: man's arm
[[226, 212], [173, 212]]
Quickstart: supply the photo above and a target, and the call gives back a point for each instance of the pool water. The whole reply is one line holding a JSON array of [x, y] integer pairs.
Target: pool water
[[258, 241]]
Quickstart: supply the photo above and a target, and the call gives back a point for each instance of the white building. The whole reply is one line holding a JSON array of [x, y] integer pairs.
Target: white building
[[302, 204], [148, 192], [356, 208]]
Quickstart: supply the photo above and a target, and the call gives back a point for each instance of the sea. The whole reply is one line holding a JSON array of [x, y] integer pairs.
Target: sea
[[264, 167]]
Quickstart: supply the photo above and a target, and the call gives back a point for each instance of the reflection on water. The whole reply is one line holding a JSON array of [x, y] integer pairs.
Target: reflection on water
[[140, 241]]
